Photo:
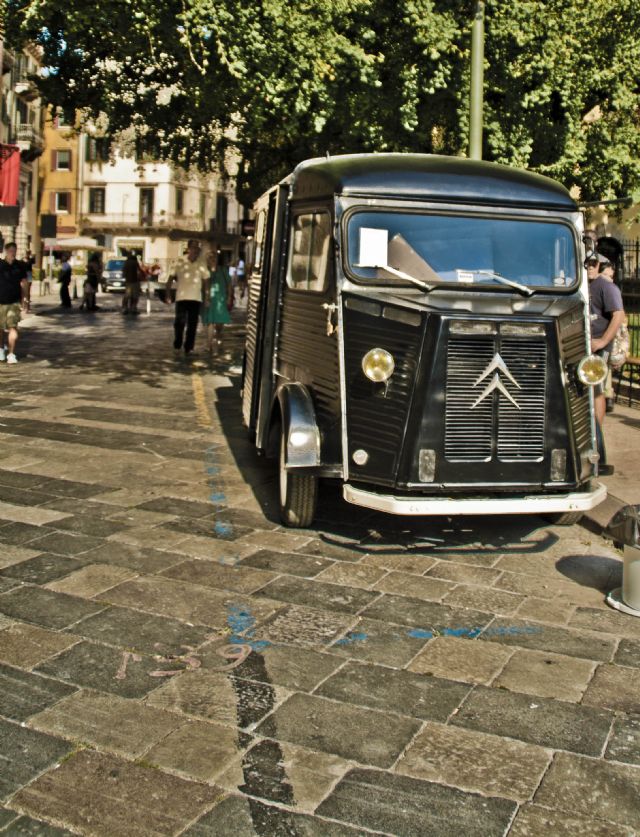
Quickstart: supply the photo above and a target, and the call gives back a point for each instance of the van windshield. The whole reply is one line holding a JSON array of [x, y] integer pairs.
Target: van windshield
[[115, 264], [460, 250]]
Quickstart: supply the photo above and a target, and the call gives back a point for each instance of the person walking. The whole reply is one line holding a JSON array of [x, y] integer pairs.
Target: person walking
[[14, 298], [215, 311], [65, 280], [132, 276], [192, 277], [241, 276], [607, 315]]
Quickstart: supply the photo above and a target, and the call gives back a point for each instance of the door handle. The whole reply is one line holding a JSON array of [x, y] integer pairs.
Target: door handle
[[330, 308]]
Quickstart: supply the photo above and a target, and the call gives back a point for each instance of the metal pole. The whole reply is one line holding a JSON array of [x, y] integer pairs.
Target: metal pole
[[476, 87]]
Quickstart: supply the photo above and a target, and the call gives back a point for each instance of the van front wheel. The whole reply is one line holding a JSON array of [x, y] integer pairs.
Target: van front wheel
[[298, 493]]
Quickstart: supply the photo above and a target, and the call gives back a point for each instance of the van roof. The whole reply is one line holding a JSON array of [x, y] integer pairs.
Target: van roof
[[427, 176]]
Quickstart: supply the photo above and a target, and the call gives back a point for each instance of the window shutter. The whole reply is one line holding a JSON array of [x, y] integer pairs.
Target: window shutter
[[70, 160], [52, 201], [54, 160]]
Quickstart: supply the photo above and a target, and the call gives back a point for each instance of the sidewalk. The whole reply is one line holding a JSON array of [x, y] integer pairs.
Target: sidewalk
[[622, 436]]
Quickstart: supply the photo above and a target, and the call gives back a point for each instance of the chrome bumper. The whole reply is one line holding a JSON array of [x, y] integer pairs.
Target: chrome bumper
[[536, 504]]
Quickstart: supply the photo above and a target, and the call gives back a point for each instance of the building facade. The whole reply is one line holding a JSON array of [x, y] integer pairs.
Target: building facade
[[20, 128], [58, 175], [153, 208]]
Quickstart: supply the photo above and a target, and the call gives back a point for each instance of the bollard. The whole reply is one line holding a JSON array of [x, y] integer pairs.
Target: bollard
[[625, 527]]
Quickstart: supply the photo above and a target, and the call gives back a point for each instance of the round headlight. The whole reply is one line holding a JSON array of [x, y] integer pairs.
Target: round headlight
[[378, 365], [592, 370]]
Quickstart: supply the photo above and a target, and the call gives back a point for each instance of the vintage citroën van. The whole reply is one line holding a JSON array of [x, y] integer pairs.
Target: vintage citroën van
[[418, 329]]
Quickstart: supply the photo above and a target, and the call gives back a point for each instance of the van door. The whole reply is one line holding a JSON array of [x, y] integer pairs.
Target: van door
[[261, 311]]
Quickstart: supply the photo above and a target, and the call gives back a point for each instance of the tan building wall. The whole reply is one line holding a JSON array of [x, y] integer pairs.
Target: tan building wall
[[59, 168]]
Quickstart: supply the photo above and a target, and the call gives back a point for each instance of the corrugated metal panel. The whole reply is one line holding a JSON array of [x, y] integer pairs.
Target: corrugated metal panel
[[253, 317], [468, 429], [521, 432]]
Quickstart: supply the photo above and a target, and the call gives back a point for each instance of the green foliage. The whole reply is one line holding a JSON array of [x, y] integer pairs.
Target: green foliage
[[190, 80]]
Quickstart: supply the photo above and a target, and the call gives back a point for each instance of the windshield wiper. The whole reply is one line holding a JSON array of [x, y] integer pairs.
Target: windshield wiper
[[406, 276], [504, 281]]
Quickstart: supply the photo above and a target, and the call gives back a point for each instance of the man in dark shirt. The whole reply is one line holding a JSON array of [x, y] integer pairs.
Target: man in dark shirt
[[14, 297], [131, 271], [607, 315]]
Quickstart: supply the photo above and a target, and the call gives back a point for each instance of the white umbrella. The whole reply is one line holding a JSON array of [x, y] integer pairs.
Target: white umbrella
[[82, 242]]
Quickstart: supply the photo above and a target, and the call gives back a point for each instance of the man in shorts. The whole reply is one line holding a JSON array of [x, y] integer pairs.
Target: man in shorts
[[14, 298], [607, 315], [192, 277]]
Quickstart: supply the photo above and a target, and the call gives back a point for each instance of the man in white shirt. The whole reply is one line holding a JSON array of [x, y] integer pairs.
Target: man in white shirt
[[192, 275]]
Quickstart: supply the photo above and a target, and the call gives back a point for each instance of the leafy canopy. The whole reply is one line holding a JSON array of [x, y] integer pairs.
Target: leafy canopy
[[190, 80]]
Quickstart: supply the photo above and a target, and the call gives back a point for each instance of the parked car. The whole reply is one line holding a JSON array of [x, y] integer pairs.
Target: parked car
[[113, 275], [418, 329]]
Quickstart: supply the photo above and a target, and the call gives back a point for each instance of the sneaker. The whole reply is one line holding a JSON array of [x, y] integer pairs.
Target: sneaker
[[11, 358], [3, 354]]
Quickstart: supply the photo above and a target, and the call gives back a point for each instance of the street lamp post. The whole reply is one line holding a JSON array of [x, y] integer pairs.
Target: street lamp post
[[476, 86]]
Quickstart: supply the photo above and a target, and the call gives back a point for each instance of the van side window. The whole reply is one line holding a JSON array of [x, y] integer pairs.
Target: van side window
[[310, 253], [260, 228]]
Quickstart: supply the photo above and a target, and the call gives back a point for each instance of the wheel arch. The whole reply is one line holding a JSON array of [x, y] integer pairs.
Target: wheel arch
[[294, 408]]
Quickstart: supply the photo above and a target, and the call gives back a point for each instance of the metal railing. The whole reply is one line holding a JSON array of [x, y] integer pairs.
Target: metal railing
[[142, 220], [28, 134]]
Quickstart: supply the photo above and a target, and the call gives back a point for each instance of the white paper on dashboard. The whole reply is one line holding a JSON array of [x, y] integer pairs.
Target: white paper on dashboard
[[374, 247]]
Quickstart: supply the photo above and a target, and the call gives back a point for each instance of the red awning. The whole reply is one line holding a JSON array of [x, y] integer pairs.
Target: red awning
[[9, 174]]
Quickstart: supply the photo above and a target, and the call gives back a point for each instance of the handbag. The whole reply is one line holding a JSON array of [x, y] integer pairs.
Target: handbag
[[619, 348]]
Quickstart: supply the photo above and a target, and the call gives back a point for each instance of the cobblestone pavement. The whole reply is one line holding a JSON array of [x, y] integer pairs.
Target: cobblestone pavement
[[173, 661]]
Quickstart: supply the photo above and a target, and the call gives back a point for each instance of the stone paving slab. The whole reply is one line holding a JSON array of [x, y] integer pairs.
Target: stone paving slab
[[107, 722], [532, 635], [324, 725], [548, 723], [91, 580], [216, 697], [24, 754], [407, 806], [426, 698], [26, 514], [474, 761], [614, 687], [208, 574], [533, 820], [41, 569], [185, 601], [293, 563], [284, 774], [375, 641], [97, 667], [25, 645], [244, 817], [614, 790], [461, 659], [301, 591], [23, 694], [624, 743], [547, 675], [134, 630], [45, 607], [103, 795]]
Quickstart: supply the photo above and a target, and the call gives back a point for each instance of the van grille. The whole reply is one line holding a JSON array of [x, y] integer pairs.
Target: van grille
[[495, 428]]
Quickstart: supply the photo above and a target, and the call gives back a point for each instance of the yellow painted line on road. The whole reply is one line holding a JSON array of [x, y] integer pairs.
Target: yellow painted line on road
[[200, 400]]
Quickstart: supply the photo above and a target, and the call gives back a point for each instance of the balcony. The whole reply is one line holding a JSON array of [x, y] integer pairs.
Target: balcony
[[156, 222], [224, 231], [26, 90], [29, 141]]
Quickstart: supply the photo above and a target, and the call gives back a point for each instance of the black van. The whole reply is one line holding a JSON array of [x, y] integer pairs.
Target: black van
[[418, 329]]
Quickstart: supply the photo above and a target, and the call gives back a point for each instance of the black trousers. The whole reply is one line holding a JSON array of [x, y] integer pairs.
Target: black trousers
[[65, 298], [187, 313]]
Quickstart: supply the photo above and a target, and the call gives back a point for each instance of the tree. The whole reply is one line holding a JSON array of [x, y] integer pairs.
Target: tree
[[278, 82]]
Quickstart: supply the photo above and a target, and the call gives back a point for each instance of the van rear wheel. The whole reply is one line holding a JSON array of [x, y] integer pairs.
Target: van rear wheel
[[298, 493], [564, 518]]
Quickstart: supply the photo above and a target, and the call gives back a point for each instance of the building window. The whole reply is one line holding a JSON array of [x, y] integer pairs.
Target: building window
[[97, 150], [96, 201], [310, 258], [222, 206], [180, 201], [203, 204], [62, 159], [62, 202]]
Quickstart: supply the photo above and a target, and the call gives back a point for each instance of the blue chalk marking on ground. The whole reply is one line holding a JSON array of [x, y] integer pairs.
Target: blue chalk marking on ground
[[242, 625], [350, 638], [219, 497], [472, 633], [221, 528]]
